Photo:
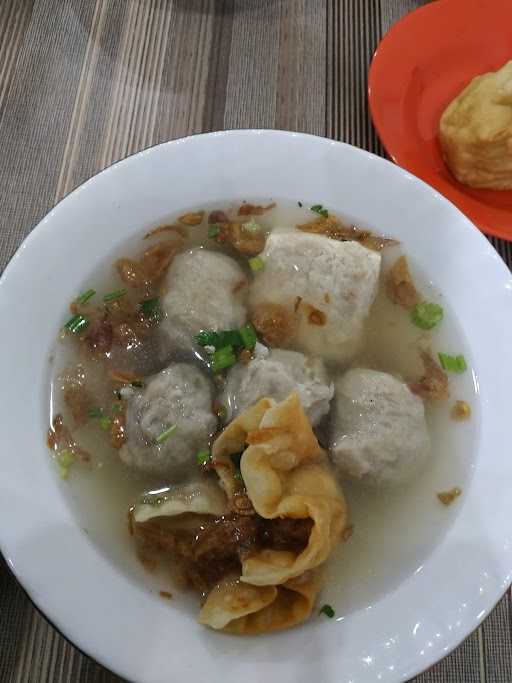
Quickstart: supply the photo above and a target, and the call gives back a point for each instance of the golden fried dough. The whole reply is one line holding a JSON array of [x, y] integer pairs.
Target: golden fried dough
[[475, 132]]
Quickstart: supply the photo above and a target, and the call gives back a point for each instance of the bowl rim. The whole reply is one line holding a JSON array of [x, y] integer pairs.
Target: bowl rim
[[44, 227]]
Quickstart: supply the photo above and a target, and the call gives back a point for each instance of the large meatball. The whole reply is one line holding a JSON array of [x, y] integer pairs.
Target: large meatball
[[379, 433], [318, 290], [179, 395], [202, 290], [276, 376]]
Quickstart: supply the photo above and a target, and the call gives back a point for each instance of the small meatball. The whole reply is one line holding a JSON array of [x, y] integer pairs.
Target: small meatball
[[182, 396], [277, 376], [201, 291], [303, 268], [379, 434]]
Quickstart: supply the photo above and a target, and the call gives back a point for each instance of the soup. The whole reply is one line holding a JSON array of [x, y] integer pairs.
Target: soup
[[184, 331]]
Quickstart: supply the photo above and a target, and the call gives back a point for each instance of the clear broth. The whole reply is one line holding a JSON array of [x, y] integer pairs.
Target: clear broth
[[395, 530]]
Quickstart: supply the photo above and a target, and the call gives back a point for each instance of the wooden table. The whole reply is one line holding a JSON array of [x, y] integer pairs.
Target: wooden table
[[86, 82]]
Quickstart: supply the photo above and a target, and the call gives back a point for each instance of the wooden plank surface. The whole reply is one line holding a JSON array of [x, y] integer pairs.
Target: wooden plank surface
[[84, 83]]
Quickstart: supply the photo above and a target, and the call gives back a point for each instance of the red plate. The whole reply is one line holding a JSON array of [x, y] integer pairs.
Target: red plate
[[422, 63]]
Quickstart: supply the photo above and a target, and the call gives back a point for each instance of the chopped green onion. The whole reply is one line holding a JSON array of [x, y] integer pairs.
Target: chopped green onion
[[238, 475], [117, 407], [228, 338], [84, 298], [453, 363], [328, 611], [219, 339], [64, 460], [105, 423], [205, 338], [166, 434], [77, 324], [137, 384], [251, 226], [213, 230], [151, 310], [319, 209], [256, 263], [95, 412], [112, 296], [203, 457], [248, 334], [223, 358], [426, 315]]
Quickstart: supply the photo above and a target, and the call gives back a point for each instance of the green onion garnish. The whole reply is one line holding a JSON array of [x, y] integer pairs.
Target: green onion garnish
[[213, 230], [105, 423], [77, 324], [84, 298], [203, 457], [319, 209], [426, 315], [205, 338], [248, 334], [238, 475], [223, 358], [112, 296], [328, 611], [256, 263], [166, 434], [117, 407], [137, 384], [64, 459], [453, 363], [95, 412], [150, 309], [228, 338], [219, 339]]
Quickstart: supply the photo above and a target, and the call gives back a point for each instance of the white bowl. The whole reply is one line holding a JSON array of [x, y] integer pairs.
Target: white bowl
[[117, 620]]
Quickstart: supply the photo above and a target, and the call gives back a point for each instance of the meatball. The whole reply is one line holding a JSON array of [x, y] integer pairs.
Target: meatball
[[328, 286], [202, 290], [179, 396], [277, 376], [379, 433]]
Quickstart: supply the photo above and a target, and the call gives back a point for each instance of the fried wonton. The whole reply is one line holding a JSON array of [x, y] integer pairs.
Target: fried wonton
[[286, 475], [237, 607], [255, 546]]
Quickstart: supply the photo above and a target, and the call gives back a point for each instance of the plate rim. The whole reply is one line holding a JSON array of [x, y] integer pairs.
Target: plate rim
[[485, 223]]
